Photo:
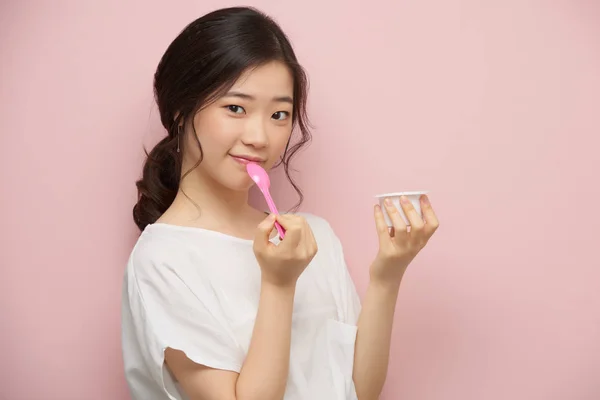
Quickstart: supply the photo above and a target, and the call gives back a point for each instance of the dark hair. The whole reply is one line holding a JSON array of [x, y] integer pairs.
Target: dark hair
[[200, 65]]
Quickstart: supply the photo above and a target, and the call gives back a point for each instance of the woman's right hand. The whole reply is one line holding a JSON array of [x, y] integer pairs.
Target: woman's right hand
[[282, 264]]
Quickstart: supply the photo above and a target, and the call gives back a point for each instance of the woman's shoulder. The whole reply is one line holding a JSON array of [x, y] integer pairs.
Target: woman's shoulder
[[163, 249], [151, 250]]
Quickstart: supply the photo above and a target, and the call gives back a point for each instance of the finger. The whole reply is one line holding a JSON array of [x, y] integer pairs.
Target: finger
[[395, 217], [303, 228], [308, 243], [311, 239], [288, 221], [416, 222], [306, 235], [293, 232], [381, 225], [263, 232], [303, 224], [431, 220]]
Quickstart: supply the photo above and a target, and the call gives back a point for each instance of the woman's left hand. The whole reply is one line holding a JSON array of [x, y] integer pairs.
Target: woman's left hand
[[397, 246]]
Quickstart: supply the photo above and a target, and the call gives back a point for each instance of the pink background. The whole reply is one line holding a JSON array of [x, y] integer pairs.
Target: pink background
[[492, 106]]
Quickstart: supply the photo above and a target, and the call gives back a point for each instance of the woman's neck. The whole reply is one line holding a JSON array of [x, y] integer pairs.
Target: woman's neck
[[206, 204]]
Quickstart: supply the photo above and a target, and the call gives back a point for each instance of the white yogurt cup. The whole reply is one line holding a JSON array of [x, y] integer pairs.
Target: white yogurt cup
[[414, 198]]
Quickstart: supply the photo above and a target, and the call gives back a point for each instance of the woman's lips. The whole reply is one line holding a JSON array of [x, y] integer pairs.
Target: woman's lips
[[245, 161]]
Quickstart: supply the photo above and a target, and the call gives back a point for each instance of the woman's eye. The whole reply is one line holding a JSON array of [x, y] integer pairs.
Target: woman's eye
[[280, 115], [236, 109]]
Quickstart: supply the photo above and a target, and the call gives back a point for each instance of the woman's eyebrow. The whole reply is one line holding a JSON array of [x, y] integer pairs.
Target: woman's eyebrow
[[245, 96]]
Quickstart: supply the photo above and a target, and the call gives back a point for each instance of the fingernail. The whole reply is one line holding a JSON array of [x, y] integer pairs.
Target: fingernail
[[404, 199], [388, 202], [377, 207], [425, 200]]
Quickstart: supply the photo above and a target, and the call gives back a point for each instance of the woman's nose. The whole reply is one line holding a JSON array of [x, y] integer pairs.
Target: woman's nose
[[255, 135]]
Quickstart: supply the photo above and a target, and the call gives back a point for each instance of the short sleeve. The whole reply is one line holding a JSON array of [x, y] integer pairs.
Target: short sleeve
[[350, 301], [168, 313]]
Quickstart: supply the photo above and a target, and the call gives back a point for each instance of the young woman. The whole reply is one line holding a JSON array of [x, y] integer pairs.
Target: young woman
[[215, 304]]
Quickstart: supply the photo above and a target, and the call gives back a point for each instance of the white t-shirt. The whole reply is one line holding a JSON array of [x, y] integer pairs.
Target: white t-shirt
[[197, 291]]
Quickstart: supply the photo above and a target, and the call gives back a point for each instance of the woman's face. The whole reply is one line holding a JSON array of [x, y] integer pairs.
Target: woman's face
[[252, 122]]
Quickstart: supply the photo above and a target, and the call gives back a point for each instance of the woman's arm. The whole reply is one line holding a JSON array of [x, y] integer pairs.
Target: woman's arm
[[265, 370], [397, 248], [372, 348]]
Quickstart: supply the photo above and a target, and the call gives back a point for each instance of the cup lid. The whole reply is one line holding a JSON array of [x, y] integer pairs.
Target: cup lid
[[413, 193]]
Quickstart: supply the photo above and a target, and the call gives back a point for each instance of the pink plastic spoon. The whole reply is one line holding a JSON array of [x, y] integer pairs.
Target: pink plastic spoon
[[261, 178]]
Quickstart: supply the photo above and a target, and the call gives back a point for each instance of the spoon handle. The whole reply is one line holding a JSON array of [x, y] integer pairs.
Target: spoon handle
[[273, 210]]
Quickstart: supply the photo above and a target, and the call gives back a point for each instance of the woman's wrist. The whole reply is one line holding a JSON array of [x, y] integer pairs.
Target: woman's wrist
[[391, 285], [278, 289]]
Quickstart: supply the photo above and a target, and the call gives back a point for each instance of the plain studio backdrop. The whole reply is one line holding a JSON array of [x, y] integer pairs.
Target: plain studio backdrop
[[492, 106]]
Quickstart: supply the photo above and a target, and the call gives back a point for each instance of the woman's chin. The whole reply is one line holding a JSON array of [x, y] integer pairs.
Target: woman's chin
[[242, 185]]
